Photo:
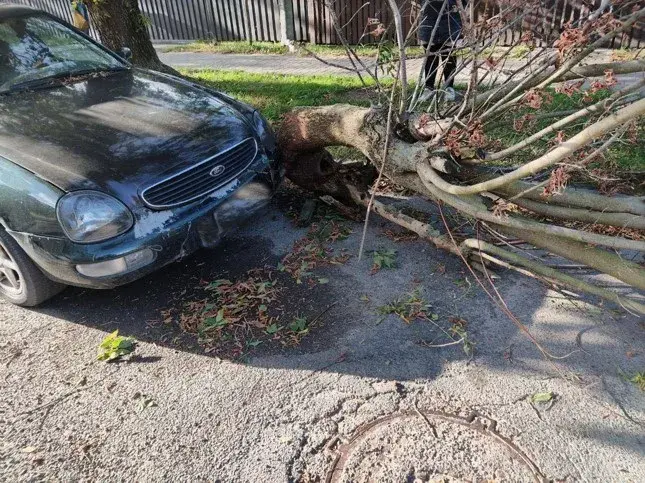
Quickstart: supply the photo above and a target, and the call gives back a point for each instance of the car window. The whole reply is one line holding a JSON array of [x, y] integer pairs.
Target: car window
[[36, 47]]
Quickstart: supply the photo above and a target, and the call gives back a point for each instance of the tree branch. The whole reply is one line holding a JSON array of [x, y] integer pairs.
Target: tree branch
[[474, 207], [561, 152], [551, 273]]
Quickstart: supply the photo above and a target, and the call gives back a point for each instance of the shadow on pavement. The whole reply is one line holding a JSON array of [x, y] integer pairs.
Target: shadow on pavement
[[352, 337]]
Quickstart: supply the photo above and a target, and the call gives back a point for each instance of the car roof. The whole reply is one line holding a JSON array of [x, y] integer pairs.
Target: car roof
[[8, 10]]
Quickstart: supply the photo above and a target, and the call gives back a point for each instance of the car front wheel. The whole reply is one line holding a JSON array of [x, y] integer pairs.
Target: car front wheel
[[21, 281]]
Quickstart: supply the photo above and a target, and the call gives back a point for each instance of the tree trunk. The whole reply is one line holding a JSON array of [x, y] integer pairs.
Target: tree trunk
[[120, 23], [306, 132]]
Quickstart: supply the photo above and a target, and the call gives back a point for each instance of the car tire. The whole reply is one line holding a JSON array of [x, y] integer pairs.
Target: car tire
[[21, 281]]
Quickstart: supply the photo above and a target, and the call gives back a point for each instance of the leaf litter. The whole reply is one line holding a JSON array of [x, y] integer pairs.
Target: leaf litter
[[236, 316]]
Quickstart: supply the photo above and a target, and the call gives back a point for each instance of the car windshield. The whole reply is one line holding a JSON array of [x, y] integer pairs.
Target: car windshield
[[35, 48]]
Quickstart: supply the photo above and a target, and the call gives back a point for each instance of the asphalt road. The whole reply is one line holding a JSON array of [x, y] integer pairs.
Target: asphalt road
[[175, 413]]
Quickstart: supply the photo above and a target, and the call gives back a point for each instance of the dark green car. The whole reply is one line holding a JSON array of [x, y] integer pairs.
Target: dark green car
[[108, 172]]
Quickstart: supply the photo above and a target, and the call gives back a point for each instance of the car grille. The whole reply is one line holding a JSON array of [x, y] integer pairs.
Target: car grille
[[203, 178]]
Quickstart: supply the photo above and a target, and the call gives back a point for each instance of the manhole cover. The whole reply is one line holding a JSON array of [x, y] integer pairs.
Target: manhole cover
[[431, 446]]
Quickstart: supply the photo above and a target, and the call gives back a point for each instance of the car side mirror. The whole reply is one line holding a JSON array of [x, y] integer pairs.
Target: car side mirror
[[125, 53]]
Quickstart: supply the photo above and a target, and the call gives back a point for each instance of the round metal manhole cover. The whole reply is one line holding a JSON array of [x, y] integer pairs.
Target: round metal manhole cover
[[431, 446]]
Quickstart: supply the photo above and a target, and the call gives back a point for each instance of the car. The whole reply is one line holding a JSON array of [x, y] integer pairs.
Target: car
[[109, 172]]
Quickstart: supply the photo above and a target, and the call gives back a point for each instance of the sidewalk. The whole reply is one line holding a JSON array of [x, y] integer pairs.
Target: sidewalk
[[295, 65], [260, 63], [285, 64]]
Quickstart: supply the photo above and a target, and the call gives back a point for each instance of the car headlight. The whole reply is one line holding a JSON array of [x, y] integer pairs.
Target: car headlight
[[91, 216], [265, 132]]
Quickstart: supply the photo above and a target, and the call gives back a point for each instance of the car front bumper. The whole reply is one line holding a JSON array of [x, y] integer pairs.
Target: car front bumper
[[167, 235]]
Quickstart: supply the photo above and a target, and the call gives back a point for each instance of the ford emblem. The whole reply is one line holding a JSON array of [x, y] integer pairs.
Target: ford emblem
[[217, 170]]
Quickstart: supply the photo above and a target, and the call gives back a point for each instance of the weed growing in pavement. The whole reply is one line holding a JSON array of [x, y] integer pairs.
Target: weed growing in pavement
[[383, 259], [411, 307], [638, 378]]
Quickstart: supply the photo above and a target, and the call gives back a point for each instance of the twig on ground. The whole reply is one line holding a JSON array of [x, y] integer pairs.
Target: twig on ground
[[425, 418]]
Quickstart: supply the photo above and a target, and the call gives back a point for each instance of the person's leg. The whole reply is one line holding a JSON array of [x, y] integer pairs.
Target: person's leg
[[449, 65], [432, 65]]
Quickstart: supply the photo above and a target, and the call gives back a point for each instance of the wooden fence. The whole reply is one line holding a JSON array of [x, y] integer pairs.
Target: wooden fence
[[311, 21]]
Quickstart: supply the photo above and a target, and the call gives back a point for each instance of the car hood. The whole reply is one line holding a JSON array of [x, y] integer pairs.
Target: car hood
[[117, 133]]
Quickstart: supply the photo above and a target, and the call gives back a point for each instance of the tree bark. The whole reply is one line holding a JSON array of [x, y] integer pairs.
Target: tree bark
[[306, 132], [120, 23]]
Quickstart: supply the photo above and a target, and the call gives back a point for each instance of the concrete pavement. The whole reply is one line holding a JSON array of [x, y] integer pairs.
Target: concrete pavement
[[343, 403], [259, 63]]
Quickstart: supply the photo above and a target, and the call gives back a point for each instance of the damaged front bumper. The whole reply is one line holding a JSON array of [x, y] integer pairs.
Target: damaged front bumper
[[157, 238]]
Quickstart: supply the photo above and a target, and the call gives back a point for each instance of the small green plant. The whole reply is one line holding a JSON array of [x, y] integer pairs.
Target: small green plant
[[387, 57], [297, 329], [299, 325], [639, 380], [542, 397], [520, 51], [383, 259], [217, 322], [115, 346], [145, 20], [458, 329], [409, 307]]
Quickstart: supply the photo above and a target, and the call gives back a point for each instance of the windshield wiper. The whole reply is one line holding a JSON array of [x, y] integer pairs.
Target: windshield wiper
[[96, 70], [33, 84], [59, 79]]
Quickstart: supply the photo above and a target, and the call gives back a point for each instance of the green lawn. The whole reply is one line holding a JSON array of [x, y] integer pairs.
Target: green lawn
[[276, 94], [626, 155], [275, 48], [230, 47]]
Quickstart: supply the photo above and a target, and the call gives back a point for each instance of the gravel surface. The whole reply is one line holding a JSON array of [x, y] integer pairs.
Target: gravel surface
[[344, 402]]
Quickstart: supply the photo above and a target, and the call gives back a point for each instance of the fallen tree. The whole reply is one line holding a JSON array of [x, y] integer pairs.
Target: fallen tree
[[440, 150]]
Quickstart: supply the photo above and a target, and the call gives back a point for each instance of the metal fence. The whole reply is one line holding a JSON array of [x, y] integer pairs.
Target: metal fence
[[259, 20]]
